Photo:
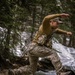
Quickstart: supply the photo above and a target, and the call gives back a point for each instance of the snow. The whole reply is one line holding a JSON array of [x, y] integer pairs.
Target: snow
[[66, 54]]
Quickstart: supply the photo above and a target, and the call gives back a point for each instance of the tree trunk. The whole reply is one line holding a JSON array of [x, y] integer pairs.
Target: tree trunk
[[64, 40], [73, 41], [33, 25], [70, 42], [6, 52]]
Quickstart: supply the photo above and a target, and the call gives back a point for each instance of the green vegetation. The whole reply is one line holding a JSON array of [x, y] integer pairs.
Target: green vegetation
[[17, 16]]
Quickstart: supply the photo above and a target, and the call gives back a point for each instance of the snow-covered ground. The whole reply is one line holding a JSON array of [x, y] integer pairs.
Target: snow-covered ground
[[66, 54]]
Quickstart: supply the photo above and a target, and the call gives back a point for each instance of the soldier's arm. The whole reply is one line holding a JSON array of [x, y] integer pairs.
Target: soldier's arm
[[49, 17], [60, 31]]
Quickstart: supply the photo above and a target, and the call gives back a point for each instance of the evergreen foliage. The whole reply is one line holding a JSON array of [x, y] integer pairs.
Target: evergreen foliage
[[17, 16]]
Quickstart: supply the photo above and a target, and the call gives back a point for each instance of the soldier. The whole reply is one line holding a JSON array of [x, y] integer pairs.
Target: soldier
[[41, 44]]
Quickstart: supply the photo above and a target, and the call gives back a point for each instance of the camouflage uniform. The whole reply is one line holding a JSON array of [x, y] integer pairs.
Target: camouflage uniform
[[38, 47]]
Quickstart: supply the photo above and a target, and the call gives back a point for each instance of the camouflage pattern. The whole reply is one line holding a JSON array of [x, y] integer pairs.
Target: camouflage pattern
[[40, 48], [42, 51]]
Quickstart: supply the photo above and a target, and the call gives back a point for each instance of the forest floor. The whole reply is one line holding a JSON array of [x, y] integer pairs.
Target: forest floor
[[6, 64], [20, 62]]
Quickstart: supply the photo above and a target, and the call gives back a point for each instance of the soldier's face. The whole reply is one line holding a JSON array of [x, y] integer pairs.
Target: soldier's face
[[54, 24]]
